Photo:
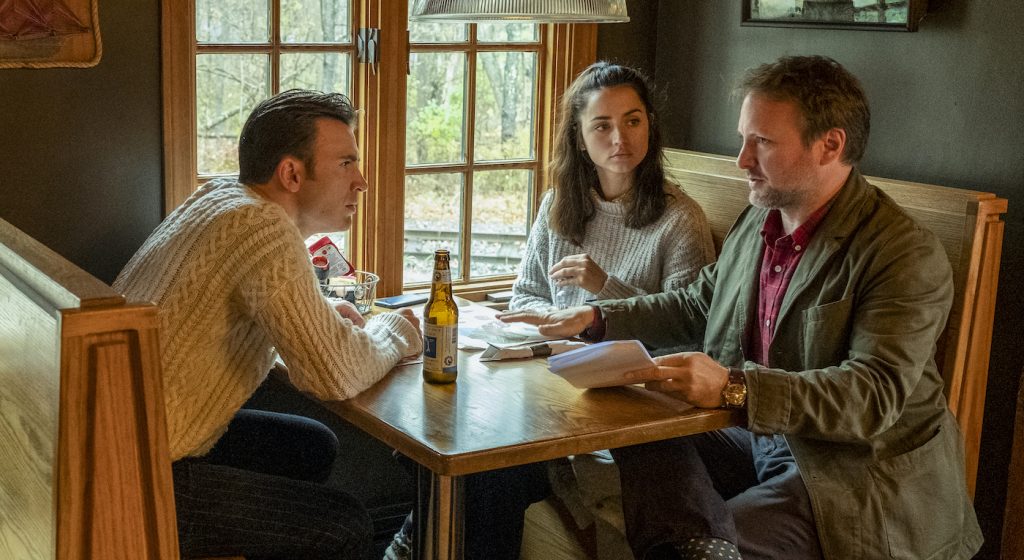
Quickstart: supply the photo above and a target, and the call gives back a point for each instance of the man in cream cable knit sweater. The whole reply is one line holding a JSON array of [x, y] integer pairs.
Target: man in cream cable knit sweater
[[231, 275]]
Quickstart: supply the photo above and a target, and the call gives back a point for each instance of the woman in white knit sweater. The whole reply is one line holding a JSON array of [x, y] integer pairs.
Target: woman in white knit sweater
[[611, 227]]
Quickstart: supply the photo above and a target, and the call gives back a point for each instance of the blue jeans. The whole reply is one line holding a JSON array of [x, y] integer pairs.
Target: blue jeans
[[260, 493], [729, 484]]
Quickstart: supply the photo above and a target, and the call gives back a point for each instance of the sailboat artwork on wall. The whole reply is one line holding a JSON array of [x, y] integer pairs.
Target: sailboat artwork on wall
[[44, 33]]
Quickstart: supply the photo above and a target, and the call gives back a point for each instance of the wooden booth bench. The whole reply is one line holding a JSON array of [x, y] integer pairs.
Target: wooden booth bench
[[84, 472], [969, 225]]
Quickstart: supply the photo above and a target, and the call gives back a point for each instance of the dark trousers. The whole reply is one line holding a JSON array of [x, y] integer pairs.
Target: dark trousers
[[496, 503], [260, 493], [729, 484], [495, 508]]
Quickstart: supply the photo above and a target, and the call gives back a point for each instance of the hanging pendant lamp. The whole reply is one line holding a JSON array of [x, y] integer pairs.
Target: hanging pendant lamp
[[540, 11]]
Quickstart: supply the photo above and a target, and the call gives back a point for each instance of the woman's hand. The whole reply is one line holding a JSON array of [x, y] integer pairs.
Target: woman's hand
[[579, 270]]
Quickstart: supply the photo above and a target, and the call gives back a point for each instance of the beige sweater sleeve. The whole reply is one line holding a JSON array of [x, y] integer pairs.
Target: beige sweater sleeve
[[326, 354], [231, 276]]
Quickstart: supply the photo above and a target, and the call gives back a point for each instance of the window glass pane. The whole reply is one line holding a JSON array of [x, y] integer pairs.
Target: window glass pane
[[433, 217], [319, 71], [507, 32], [228, 86], [436, 108], [232, 21], [505, 86], [436, 32], [315, 21], [500, 205]]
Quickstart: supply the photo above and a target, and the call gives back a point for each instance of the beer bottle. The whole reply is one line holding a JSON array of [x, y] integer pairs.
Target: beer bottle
[[441, 326]]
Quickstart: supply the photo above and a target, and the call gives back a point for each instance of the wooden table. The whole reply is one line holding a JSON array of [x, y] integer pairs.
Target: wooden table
[[501, 414]]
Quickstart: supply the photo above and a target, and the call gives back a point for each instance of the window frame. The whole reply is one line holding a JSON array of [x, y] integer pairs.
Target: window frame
[[380, 90], [469, 166]]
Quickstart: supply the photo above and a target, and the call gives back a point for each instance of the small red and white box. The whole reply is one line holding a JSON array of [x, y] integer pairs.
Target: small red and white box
[[337, 264]]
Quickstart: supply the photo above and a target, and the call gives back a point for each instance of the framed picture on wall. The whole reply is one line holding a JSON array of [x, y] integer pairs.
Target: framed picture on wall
[[887, 15], [49, 34]]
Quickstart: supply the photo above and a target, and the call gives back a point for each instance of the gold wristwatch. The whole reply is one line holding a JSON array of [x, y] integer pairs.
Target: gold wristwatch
[[735, 392]]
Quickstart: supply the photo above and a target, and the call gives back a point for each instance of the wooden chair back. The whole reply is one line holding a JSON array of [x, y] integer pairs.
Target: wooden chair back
[[85, 472], [969, 225]]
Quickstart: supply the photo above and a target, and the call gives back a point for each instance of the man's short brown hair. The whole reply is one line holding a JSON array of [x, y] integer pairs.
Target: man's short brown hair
[[827, 95], [285, 125]]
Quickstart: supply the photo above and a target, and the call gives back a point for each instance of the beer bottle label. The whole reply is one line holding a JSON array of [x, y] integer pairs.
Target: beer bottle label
[[443, 276], [440, 348]]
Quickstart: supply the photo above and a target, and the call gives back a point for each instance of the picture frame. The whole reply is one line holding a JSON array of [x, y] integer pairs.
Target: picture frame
[[49, 34], [877, 15]]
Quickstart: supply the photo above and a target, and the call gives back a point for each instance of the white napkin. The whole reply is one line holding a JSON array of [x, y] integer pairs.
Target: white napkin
[[535, 350]]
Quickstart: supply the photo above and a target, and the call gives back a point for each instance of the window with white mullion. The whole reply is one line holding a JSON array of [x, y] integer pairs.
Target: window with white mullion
[[249, 50], [259, 41], [471, 147]]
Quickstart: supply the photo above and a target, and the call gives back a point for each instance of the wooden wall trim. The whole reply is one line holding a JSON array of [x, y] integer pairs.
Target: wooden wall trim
[[178, 77], [571, 48], [379, 232]]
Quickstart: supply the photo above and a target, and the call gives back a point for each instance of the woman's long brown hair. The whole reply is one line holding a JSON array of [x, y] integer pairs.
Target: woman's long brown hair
[[573, 173]]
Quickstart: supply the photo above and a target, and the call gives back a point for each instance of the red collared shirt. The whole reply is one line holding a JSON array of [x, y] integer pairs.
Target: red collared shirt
[[781, 254]]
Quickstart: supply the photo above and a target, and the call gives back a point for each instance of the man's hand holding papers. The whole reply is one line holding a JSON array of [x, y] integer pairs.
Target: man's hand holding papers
[[693, 377]]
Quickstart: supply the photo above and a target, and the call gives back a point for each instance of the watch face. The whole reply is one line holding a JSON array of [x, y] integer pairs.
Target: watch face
[[735, 394]]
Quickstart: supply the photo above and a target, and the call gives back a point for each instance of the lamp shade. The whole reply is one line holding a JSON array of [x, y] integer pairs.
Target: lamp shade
[[540, 11]]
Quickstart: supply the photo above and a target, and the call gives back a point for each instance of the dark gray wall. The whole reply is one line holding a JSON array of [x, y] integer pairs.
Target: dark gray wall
[[946, 102], [634, 43], [80, 149]]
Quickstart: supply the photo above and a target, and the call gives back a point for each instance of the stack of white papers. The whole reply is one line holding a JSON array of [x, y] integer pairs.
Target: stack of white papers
[[601, 365]]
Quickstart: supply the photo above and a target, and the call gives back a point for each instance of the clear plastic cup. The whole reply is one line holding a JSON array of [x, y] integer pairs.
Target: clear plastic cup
[[569, 295], [360, 289]]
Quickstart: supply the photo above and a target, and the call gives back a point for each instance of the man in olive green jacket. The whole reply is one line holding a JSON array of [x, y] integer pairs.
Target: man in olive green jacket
[[820, 318]]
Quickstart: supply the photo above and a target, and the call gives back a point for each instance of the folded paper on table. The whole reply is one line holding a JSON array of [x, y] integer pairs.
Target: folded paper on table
[[535, 350], [601, 365]]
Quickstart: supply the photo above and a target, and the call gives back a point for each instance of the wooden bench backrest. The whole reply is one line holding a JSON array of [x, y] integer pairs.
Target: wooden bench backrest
[[969, 225], [85, 472]]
